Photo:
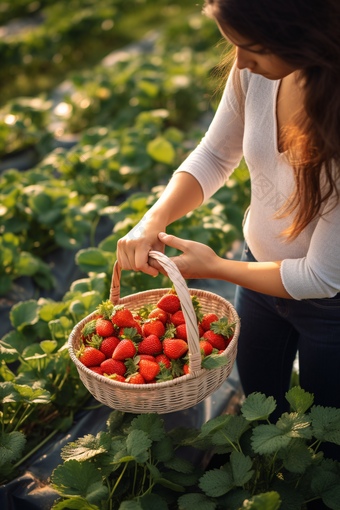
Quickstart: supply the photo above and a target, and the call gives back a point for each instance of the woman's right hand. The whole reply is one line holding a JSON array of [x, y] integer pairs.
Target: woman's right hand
[[133, 249]]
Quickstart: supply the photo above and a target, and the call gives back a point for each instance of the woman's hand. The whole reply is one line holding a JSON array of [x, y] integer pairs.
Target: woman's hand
[[197, 260], [133, 249]]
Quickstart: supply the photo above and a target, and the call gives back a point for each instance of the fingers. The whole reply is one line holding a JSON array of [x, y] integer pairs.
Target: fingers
[[175, 242], [131, 255]]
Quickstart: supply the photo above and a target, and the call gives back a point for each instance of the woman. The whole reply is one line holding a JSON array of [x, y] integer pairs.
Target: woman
[[281, 110]]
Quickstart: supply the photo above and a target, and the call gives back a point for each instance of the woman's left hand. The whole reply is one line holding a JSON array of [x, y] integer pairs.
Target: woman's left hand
[[197, 260]]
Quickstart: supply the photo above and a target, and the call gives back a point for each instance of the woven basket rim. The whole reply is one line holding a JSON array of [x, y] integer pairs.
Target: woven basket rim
[[165, 384]]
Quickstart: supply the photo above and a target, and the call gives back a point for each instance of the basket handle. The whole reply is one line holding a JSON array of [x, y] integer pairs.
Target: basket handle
[[184, 297]]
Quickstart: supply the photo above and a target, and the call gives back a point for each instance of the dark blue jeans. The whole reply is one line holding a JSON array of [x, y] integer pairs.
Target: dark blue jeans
[[273, 330]]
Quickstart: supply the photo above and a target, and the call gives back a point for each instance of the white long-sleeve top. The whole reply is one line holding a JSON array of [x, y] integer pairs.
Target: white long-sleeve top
[[311, 263]]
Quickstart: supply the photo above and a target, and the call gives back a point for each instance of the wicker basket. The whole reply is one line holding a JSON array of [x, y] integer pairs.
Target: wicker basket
[[182, 392]]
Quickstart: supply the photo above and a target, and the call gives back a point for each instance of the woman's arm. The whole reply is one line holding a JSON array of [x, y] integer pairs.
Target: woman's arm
[[200, 261]]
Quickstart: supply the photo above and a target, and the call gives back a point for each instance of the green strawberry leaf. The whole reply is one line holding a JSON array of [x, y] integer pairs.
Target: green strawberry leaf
[[180, 465], [137, 444], [267, 439], [83, 479], [11, 446], [296, 456], [241, 468], [295, 425], [223, 327], [24, 314], [163, 450], [326, 423], [216, 482], [231, 431], [326, 485], [87, 447], [195, 502], [299, 399], [214, 361], [151, 424], [258, 407]]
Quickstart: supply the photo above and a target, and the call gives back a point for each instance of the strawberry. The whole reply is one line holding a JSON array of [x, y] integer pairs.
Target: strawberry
[[152, 382], [108, 345], [206, 347], [153, 327], [135, 324], [174, 348], [90, 357], [136, 379], [146, 356], [186, 369], [169, 303], [220, 352], [104, 327], [208, 318], [116, 377], [161, 358], [97, 370], [148, 369], [150, 345], [177, 318], [122, 317], [214, 339], [125, 349], [181, 332], [137, 317], [200, 330], [159, 314], [112, 366]]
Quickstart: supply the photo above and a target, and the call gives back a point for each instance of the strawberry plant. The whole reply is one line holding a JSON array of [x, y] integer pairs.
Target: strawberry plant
[[133, 465], [23, 123]]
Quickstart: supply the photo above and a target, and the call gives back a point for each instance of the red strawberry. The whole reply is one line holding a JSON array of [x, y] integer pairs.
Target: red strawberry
[[220, 352], [137, 317], [108, 345], [90, 357], [161, 358], [125, 349], [112, 366], [174, 348], [228, 340], [152, 382], [154, 327], [206, 346], [148, 369], [122, 317], [186, 369], [181, 332], [104, 328], [200, 330], [150, 345], [178, 318], [146, 356], [136, 379], [208, 318], [159, 314], [97, 370], [215, 340], [169, 303]]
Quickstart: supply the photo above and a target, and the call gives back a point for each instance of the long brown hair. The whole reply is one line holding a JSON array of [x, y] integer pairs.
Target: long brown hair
[[306, 35]]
